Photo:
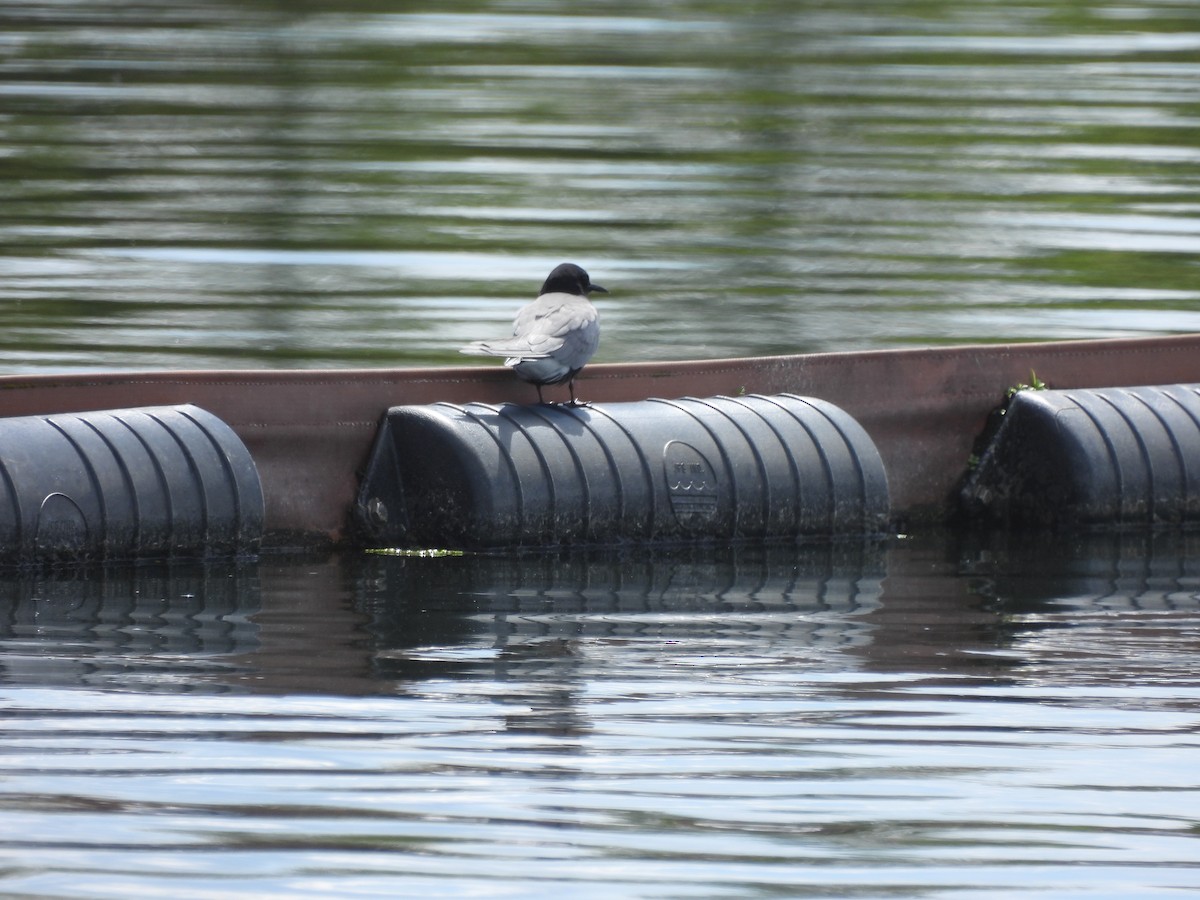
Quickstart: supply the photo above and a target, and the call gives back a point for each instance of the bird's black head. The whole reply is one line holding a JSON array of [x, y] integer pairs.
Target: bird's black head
[[569, 279]]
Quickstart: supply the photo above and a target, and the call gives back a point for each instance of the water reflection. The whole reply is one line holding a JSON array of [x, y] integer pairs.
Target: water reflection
[[1097, 607], [323, 184], [524, 620], [914, 717], [169, 628], [1004, 609]]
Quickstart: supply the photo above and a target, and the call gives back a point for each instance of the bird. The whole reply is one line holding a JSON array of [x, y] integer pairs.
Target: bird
[[554, 336]]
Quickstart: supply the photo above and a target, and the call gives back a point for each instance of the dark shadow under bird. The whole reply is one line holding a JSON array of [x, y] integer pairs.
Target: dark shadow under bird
[[554, 336]]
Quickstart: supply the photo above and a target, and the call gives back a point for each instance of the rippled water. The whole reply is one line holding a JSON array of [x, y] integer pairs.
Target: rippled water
[[366, 183], [915, 718]]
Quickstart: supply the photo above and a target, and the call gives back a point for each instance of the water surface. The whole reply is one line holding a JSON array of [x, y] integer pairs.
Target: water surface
[[345, 184], [914, 718]]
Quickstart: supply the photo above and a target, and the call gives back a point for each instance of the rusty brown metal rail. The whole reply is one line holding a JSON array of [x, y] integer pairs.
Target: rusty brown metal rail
[[310, 430]]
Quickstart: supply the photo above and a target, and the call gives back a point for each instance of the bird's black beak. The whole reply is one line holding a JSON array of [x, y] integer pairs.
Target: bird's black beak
[[595, 287]]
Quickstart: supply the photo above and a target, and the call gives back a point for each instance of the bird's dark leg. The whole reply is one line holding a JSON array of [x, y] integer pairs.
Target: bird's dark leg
[[540, 398], [574, 402]]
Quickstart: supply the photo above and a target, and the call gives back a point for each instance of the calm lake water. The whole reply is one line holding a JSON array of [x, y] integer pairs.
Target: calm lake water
[[913, 718], [256, 183], [321, 184]]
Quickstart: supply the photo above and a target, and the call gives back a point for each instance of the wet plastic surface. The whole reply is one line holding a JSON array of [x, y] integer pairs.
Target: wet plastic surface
[[157, 482], [724, 468], [1122, 457]]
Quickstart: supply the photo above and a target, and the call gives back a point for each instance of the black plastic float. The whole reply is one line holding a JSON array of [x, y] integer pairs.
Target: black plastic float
[[155, 482], [656, 470], [1109, 457]]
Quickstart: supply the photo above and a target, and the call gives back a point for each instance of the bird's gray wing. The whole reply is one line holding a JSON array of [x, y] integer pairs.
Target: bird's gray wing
[[543, 327], [553, 321], [580, 340]]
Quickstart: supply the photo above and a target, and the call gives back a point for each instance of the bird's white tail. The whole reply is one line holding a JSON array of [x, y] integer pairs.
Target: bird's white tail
[[516, 348]]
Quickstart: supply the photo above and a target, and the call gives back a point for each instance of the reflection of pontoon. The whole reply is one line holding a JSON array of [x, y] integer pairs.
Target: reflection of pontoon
[[153, 627], [940, 604]]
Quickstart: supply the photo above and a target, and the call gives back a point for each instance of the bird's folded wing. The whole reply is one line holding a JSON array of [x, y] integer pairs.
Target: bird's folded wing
[[542, 328], [554, 315]]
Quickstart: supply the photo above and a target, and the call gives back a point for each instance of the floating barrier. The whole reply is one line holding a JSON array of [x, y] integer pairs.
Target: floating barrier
[[1109, 457], [725, 468], [155, 482]]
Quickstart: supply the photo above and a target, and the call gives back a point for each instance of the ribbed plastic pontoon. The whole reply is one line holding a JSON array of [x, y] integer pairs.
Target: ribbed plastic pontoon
[[656, 470], [1107, 457], [153, 482]]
